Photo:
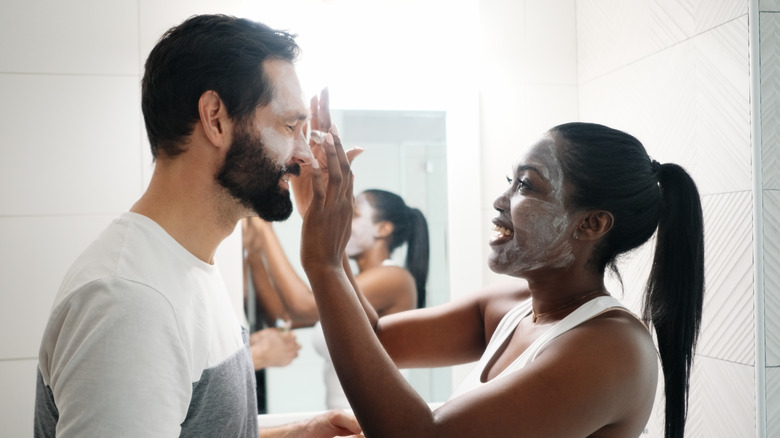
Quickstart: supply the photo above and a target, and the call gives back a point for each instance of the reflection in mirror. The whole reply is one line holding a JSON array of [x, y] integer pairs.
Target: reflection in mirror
[[405, 153]]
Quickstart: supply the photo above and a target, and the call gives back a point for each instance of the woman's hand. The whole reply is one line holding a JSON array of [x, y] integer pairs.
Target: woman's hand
[[327, 223], [320, 126]]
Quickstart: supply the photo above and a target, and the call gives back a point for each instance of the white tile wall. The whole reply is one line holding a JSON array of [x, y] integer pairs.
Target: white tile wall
[[773, 401], [76, 37], [43, 249], [769, 5], [72, 144], [770, 143], [676, 74], [605, 28], [772, 276], [719, 407], [16, 404], [722, 401], [770, 98], [686, 103], [156, 17], [728, 322]]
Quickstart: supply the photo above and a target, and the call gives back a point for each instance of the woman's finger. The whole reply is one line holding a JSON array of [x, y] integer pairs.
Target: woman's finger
[[343, 163], [323, 113], [314, 108], [334, 169], [317, 188]]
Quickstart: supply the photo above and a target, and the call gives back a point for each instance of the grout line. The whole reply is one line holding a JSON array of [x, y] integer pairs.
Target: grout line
[[17, 359], [32, 73], [754, 51]]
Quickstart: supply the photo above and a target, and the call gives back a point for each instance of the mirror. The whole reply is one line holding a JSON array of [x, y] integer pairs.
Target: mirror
[[405, 153]]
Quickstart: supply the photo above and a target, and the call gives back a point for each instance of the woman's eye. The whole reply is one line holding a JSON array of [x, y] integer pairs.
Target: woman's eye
[[291, 128], [521, 183]]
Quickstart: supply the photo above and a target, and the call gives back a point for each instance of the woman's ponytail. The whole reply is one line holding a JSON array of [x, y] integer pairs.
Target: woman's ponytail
[[675, 288]]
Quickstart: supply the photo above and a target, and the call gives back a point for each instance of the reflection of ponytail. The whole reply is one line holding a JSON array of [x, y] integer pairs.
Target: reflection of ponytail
[[409, 226], [417, 252]]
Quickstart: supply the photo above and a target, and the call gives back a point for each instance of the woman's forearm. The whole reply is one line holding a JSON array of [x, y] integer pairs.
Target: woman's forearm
[[363, 366]]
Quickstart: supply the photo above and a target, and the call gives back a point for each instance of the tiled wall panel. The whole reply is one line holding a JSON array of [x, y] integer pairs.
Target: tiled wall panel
[[770, 98], [71, 144], [728, 322], [689, 104], [41, 248], [606, 28], [771, 260], [156, 17], [75, 37], [769, 5], [18, 399], [676, 75], [722, 400], [772, 402]]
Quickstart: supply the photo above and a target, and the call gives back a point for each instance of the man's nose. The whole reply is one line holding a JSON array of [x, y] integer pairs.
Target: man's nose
[[302, 152]]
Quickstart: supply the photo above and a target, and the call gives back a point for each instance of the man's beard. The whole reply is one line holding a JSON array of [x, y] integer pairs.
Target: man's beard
[[252, 177]]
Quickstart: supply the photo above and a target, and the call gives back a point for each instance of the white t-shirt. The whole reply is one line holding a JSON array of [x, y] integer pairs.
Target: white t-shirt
[[143, 341]]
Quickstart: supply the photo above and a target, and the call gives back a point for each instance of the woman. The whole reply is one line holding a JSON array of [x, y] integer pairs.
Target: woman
[[381, 223], [559, 355]]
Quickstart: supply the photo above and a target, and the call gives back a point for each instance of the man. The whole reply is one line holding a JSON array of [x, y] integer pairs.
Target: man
[[142, 340]]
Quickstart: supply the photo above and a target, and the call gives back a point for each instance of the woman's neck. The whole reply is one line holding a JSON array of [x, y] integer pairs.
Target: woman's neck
[[372, 258]]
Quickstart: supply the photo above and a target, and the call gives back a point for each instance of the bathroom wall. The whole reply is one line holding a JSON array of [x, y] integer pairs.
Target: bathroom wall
[[767, 188], [677, 75]]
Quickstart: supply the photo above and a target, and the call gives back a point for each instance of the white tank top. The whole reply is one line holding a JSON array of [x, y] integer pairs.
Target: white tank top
[[507, 326]]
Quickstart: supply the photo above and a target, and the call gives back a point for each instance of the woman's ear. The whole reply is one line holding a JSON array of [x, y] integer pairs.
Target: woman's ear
[[214, 118], [594, 225], [383, 229]]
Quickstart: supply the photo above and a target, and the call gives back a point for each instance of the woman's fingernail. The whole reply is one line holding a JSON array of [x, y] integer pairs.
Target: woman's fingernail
[[315, 164], [334, 130]]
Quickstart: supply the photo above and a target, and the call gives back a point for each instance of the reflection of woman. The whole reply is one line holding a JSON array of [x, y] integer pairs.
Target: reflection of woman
[[381, 223], [559, 355]]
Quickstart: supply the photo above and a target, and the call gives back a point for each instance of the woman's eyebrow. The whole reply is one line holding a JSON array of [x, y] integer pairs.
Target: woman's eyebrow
[[528, 167]]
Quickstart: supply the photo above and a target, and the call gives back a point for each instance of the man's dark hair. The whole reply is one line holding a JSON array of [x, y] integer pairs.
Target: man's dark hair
[[207, 52]]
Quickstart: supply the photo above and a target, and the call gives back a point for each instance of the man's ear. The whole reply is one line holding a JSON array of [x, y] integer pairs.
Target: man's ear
[[594, 225], [384, 229], [214, 118]]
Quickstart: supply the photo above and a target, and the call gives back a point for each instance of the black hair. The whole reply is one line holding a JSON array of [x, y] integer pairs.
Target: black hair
[[409, 226], [207, 52], [610, 170]]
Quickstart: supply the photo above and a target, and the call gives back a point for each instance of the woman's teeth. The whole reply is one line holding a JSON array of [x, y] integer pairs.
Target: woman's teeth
[[501, 231]]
